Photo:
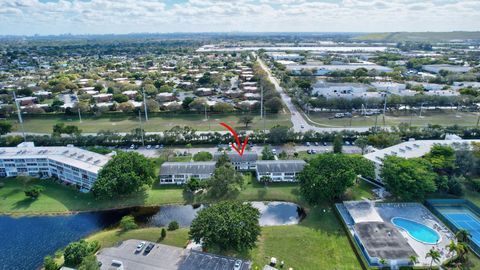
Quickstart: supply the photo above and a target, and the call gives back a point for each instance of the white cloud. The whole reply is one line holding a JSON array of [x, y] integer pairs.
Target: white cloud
[[123, 16]]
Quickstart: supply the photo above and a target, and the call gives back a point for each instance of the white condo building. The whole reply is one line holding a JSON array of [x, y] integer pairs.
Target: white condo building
[[69, 164], [411, 149]]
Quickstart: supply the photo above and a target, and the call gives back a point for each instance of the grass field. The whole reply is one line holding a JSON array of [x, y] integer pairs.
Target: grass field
[[61, 199], [154, 124], [430, 117]]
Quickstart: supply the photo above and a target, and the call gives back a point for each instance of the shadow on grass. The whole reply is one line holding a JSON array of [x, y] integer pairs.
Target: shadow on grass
[[23, 204]]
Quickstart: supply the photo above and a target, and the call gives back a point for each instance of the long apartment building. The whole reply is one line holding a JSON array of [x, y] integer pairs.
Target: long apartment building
[[69, 164], [411, 149]]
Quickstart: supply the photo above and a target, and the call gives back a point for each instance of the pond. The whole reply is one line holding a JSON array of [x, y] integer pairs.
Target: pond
[[25, 241], [271, 214]]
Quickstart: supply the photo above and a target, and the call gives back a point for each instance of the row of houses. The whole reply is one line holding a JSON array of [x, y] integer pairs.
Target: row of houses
[[274, 170]]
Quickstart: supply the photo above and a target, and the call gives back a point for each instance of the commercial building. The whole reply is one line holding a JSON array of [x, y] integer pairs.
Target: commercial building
[[69, 164], [246, 162], [279, 170], [179, 172]]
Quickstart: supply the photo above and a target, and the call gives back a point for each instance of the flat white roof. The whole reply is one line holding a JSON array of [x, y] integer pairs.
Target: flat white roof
[[411, 149], [71, 155]]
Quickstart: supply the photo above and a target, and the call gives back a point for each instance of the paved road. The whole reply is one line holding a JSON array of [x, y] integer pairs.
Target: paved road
[[349, 149], [298, 118]]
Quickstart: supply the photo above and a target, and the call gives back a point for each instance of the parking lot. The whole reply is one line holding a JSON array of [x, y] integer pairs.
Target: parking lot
[[164, 257]]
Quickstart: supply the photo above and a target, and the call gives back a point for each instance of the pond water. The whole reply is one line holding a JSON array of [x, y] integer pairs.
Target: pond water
[[271, 214], [25, 241]]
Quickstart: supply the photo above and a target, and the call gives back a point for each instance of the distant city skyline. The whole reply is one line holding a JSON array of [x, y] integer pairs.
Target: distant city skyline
[[54, 17]]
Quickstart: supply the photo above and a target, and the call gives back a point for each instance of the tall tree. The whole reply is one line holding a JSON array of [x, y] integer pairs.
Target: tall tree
[[328, 176], [227, 225], [124, 174], [408, 179], [434, 256], [246, 120], [225, 181]]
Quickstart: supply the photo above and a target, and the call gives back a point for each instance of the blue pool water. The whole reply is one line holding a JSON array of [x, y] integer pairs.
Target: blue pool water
[[418, 231]]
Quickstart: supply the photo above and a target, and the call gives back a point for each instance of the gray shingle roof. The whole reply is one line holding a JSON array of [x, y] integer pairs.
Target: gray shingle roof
[[272, 166], [235, 157], [205, 167]]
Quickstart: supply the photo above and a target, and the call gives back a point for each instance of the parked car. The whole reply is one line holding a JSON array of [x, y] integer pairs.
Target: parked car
[[316, 143], [237, 265], [140, 246], [132, 146], [309, 151], [117, 265], [149, 146], [274, 151], [324, 144], [314, 151], [149, 248], [157, 146], [307, 144]]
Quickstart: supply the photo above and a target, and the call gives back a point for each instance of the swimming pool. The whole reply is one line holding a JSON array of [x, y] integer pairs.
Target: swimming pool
[[417, 231]]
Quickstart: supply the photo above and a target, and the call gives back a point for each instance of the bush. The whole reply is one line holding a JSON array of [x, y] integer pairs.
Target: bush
[[163, 234], [475, 183], [128, 223], [33, 191], [172, 226], [202, 156], [49, 263], [75, 252]]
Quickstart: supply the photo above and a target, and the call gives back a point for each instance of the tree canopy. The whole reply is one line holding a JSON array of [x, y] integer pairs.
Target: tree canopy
[[408, 179], [329, 175], [227, 225], [225, 180], [75, 252], [125, 173]]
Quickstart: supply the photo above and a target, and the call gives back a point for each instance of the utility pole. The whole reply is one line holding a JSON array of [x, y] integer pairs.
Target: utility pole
[[384, 108], [145, 104], [141, 129], [20, 119], [79, 114], [261, 102], [206, 116]]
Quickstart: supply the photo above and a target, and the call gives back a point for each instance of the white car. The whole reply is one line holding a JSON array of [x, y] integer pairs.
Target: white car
[[140, 246], [237, 265]]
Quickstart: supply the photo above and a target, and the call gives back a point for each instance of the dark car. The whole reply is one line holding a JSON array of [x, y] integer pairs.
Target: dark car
[[149, 248]]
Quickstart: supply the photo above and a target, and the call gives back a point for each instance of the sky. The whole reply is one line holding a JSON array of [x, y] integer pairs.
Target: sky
[[54, 17]]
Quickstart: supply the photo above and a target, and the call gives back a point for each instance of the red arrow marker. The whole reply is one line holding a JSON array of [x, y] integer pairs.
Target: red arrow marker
[[240, 148]]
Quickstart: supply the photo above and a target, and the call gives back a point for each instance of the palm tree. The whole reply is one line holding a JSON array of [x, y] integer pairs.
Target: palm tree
[[462, 250], [452, 247], [462, 235], [413, 259], [435, 255]]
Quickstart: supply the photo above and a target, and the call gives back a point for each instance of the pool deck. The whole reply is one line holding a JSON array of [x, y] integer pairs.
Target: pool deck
[[418, 213], [357, 213]]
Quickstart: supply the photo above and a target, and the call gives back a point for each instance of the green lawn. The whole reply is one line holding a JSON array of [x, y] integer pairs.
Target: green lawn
[[318, 242], [393, 119], [108, 238], [155, 123], [60, 199]]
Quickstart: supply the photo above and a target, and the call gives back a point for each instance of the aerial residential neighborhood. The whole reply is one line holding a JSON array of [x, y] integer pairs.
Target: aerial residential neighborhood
[[239, 135]]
